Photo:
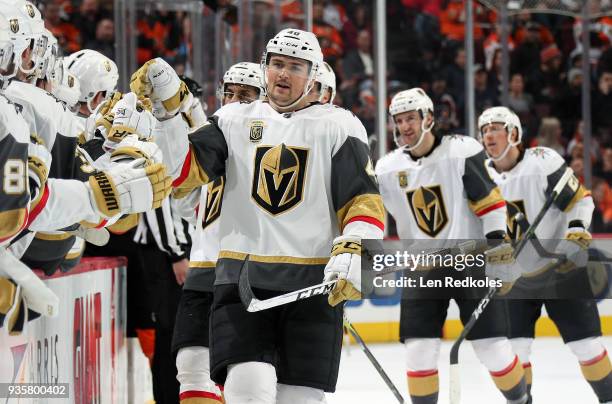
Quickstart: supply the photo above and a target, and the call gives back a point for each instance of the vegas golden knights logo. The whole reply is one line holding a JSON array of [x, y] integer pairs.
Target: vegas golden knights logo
[[402, 178], [30, 10], [107, 66], [256, 132], [513, 229], [14, 23], [70, 81], [278, 177], [214, 198], [428, 210]]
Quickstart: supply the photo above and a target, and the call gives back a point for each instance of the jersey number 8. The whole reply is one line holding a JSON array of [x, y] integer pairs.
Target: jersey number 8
[[14, 182]]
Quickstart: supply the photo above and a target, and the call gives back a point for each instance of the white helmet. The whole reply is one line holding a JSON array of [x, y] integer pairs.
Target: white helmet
[[25, 29], [414, 99], [7, 53], [299, 44], [509, 119], [65, 86], [245, 73], [96, 73], [47, 63], [327, 78]]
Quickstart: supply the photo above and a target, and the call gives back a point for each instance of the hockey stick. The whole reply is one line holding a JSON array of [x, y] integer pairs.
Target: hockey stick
[[372, 359], [454, 376], [254, 304]]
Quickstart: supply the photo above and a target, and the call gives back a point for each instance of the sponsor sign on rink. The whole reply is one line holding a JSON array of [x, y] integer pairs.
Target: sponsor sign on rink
[[83, 349]]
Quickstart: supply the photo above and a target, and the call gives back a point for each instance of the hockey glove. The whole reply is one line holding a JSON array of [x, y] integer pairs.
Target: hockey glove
[[130, 117], [131, 148], [39, 161], [575, 248], [195, 115], [129, 188], [345, 265], [501, 265], [158, 81]]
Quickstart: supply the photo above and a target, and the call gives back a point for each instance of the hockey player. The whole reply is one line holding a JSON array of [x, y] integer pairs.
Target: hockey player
[[286, 199], [241, 82], [526, 178], [191, 333], [430, 176], [326, 84]]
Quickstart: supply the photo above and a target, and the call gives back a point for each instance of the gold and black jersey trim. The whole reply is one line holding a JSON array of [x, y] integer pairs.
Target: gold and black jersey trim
[[11, 222], [482, 192], [52, 236], [13, 200], [202, 264], [353, 185], [273, 259], [570, 194], [206, 158]]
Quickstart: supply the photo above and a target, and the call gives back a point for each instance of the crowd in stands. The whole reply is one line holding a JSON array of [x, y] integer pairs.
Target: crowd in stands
[[425, 48]]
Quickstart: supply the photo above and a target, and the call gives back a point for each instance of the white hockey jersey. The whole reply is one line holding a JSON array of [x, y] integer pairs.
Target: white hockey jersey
[[14, 189], [293, 182], [528, 184], [446, 195]]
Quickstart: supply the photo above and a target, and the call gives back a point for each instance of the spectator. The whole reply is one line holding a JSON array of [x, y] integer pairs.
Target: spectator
[[602, 198], [446, 109], [357, 66], [485, 96], [89, 16], [104, 41], [602, 103], [518, 100], [551, 75], [66, 33], [329, 37], [567, 105], [455, 76], [452, 21], [526, 56], [549, 135]]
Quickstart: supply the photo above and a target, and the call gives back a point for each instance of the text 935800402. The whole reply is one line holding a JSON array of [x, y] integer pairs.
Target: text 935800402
[[34, 390]]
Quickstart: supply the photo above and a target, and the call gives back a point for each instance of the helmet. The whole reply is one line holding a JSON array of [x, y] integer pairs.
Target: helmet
[[299, 44], [65, 86], [25, 28], [244, 73], [327, 78], [414, 99], [509, 119], [47, 62], [7, 53], [95, 72]]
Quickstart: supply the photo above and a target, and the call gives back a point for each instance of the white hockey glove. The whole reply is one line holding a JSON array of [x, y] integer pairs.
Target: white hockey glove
[[129, 188], [130, 148], [345, 265], [575, 248], [500, 265], [130, 117], [158, 81], [37, 295]]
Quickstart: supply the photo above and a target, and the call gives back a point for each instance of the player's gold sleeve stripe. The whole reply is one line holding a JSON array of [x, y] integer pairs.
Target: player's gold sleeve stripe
[[423, 383], [192, 176], [11, 221], [52, 236], [368, 205], [124, 224], [76, 254], [490, 202], [273, 259], [580, 193], [202, 264]]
